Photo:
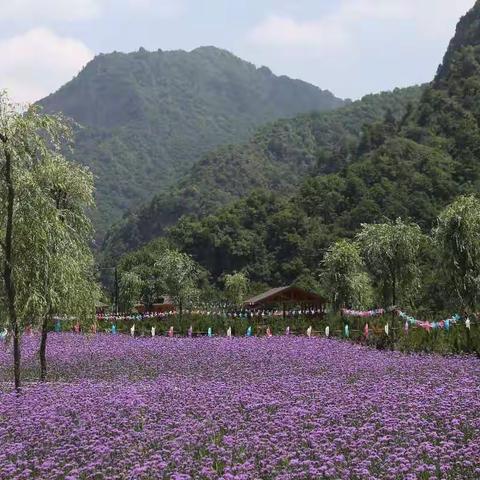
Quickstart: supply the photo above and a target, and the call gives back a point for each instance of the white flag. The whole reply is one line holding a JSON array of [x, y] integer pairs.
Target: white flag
[[153, 331], [327, 331], [309, 332], [386, 329], [132, 330]]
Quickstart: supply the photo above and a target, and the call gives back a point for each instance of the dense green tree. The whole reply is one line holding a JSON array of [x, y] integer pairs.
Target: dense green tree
[[179, 276], [39, 231], [236, 288], [138, 277], [458, 239], [58, 278], [148, 116], [344, 276], [391, 252], [277, 158]]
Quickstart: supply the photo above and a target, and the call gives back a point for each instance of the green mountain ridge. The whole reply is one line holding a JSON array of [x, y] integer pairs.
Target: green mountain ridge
[[146, 117], [408, 168], [277, 157]]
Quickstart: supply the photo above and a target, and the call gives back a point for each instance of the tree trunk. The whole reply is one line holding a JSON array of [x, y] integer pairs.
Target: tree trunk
[[8, 279], [394, 304], [43, 350]]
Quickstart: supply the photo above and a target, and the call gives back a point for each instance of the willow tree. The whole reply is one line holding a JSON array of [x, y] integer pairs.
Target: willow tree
[[236, 287], [178, 276], [33, 227], [58, 278], [344, 276], [391, 252], [457, 236]]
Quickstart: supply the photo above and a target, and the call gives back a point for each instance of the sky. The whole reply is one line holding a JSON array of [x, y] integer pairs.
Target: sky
[[350, 47]]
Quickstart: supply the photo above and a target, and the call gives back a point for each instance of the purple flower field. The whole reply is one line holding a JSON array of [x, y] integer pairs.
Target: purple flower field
[[248, 408]]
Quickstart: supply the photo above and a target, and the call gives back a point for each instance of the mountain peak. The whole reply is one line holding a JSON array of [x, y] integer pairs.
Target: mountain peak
[[156, 113], [467, 34]]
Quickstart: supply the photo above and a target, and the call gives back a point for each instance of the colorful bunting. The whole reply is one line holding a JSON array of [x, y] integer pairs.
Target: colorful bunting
[[442, 324], [363, 314]]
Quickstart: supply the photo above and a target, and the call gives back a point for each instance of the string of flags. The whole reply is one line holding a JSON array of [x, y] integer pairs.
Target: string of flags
[[378, 312], [442, 324], [112, 317]]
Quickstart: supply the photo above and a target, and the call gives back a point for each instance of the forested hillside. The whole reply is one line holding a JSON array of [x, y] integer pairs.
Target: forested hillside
[[148, 116], [410, 168], [276, 158]]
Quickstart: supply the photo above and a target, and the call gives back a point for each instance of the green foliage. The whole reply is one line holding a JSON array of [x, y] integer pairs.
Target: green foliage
[[277, 158], [52, 233], [458, 238], [148, 116], [391, 252], [45, 232], [138, 276], [398, 166], [344, 276], [179, 277], [236, 288]]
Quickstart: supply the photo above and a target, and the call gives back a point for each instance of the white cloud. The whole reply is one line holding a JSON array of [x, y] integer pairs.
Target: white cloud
[[340, 28], [38, 62], [161, 8], [277, 31], [49, 10]]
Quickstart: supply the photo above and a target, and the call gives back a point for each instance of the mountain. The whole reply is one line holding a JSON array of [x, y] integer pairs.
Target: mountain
[[410, 168], [277, 157], [148, 116]]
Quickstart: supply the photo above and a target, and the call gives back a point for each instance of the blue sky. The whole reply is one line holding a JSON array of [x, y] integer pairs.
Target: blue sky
[[351, 47]]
